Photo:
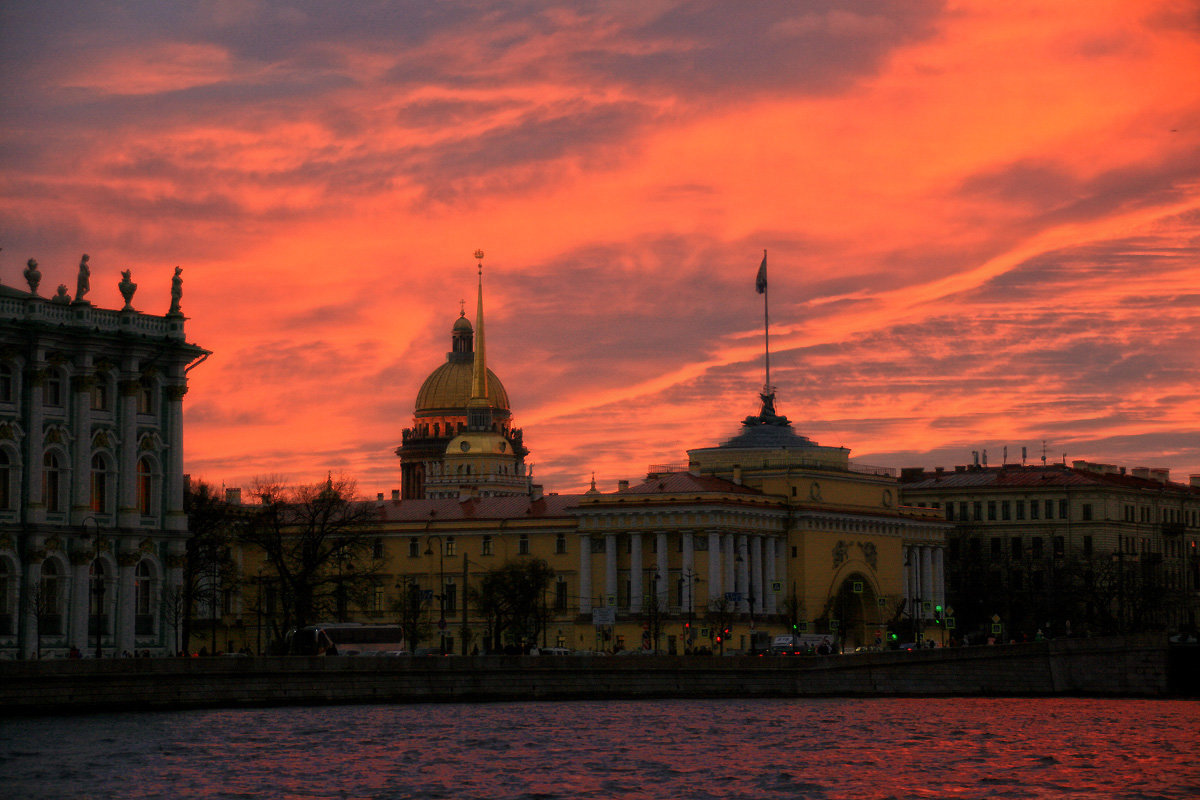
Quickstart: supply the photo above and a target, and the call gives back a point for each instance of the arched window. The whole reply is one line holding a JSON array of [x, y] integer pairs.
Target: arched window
[[145, 399], [145, 488], [52, 392], [100, 394], [100, 484], [51, 482]]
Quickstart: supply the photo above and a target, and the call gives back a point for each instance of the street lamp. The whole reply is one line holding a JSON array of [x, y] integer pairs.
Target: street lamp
[[442, 587]]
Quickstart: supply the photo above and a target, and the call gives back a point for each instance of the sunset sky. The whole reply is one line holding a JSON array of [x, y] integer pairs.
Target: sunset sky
[[983, 219]]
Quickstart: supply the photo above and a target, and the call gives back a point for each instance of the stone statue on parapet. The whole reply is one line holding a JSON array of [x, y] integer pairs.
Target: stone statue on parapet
[[62, 298], [32, 275], [83, 284], [127, 287], [176, 291]]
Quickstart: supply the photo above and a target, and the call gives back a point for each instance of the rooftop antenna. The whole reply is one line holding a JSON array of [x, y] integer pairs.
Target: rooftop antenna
[[1043, 452], [760, 285], [1024, 454]]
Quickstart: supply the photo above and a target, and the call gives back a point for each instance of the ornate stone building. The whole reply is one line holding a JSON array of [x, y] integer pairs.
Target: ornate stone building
[[92, 528]]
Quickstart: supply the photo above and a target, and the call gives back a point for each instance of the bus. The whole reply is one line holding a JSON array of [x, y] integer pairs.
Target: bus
[[345, 639]]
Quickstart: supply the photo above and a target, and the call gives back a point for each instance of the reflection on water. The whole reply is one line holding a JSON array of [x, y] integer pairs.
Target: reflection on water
[[810, 748]]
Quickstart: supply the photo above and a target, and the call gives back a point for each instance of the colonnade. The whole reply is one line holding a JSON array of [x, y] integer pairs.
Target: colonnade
[[924, 576], [740, 567]]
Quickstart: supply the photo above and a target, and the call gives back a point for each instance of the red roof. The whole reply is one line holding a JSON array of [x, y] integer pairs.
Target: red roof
[[1032, 477], [482, 508], [684, 482]]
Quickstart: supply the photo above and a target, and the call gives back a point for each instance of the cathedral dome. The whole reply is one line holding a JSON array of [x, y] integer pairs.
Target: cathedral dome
[[448, 389]]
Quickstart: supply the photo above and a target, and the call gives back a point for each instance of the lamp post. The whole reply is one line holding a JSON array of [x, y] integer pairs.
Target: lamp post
[[441, 588], [690, 576]]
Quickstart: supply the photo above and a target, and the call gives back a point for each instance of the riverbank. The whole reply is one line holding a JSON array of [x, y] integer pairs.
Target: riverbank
[[1120, 666]]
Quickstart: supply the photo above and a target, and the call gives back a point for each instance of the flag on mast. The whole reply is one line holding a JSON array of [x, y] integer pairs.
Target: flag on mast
[[760, 283]]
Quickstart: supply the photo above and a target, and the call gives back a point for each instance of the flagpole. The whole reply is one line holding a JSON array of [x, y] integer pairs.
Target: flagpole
[[766, 332]]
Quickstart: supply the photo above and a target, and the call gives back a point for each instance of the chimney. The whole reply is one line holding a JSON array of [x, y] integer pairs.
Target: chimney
[[395, 495], [1194, 481], [622, 485], [233, 497], [379, 497], [737, 474]]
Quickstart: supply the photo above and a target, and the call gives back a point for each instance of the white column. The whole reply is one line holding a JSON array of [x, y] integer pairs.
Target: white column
[[771, 606], [728, 555], [636, 578], [714, 568], [742, 578], [126, 608], [687, 571], [757, 589], [610, 568], [907, 570], [662, 567], [939, 577], [927, 574], [585, 574]]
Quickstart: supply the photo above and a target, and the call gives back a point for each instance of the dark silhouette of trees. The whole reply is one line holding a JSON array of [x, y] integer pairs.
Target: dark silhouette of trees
[[209, 569], [317, 542], [511, 598]]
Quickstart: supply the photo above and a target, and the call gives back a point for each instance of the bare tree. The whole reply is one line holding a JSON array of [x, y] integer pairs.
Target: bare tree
[[209, 568], [511, 599], [318, 541]]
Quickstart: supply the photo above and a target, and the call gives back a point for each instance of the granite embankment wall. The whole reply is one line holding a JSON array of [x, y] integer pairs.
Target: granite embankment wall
[[1137, 666]]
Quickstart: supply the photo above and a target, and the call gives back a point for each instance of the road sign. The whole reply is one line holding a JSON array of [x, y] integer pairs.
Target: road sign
[[833, 625], [610, 600], [881, 602], [996, 628], [950, 623], [995, 617], [604, 616], [776, 586], [856, 587], [733, 597]]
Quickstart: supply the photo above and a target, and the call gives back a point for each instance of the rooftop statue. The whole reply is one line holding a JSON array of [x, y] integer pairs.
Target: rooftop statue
[[767, 415], [32, 275], [176, 291], [62, 298], [127, 287], [83, 283]]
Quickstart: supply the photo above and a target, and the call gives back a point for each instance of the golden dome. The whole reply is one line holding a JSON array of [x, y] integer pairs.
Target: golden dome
[[448, 389]]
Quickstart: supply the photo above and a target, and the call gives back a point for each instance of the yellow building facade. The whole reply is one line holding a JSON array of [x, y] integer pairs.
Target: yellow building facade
[[765, 534]]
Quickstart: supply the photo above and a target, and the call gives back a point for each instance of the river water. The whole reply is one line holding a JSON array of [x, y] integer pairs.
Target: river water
[[807, 748]]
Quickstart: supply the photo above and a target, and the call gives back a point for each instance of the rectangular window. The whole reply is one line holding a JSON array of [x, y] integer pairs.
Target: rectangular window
[[977, 510], [1020, 509], [377, 549], [1049, 509], [560, 596], [414, 547], [99, 396], [451, 546], [1037, 547], [450, 595], [949, 512], [1085, 511], [996, 548], [1059, 546], [991, 510], [377, 598], [560, 544], [1064, 509], [1087, 546], [1015, 545], [486, 546], [962, 512], [523, 545], [1005, 510], [1033, 509]]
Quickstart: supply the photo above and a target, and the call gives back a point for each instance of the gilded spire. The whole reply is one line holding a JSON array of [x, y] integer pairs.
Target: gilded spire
[[479, 381]]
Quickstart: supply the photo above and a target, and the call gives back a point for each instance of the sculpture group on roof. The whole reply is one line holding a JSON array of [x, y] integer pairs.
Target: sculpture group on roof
[[83, 285]]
